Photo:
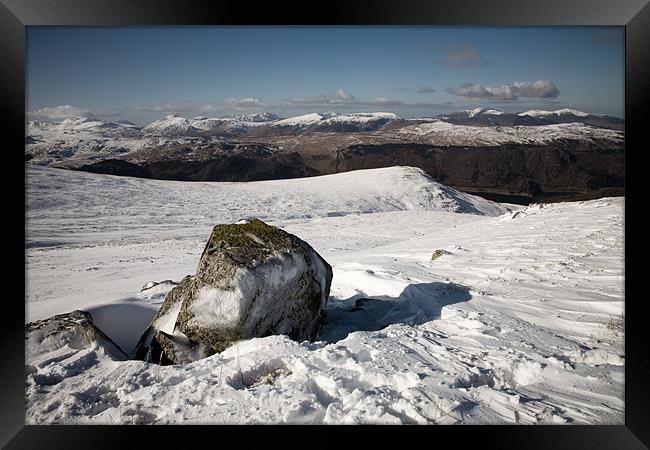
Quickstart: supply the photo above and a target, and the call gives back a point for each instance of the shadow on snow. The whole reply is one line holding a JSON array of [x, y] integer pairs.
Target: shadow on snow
[[418, 303], [123, 322]]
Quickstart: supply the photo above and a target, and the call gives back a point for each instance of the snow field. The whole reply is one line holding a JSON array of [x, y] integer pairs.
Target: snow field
[[519, 322]]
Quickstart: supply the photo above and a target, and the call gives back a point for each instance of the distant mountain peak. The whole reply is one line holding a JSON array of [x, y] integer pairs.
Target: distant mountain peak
[[331, 121], [256, 117], [557, 112], [483, 111]]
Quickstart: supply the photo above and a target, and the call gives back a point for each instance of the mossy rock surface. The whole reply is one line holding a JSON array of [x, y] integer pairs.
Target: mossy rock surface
[[248, 242]]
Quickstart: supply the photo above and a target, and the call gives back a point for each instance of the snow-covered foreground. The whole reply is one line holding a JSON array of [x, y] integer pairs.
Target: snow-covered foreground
[[517, 320]]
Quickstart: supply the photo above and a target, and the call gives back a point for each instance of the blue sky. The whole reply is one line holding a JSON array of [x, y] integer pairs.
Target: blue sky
[[144, 73]]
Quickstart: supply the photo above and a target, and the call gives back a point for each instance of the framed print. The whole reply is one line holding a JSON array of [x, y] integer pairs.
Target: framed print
[[363, 214]]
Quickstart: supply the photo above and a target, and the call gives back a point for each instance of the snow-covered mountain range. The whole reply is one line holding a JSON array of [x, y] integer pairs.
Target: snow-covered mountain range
[[82, 140], [445, 133], [173, 125], [496, 117]]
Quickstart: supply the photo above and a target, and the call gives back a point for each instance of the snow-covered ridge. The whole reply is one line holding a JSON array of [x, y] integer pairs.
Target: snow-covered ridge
[[173, 125], [89, 123], [362, 117], [82, 139], [170, 119], [484, 111], [81, 124], [305, 119], [558, 112], [333, 118], [256, 117], [444, 133]]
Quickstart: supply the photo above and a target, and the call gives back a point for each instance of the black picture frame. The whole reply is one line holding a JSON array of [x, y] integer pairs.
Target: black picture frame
[[15, 15]]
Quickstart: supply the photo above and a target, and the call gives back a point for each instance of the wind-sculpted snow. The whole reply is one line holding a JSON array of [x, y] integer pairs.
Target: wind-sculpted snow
[[434, 317]]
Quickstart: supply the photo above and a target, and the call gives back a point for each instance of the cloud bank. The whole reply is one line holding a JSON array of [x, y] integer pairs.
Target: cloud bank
[[343, 99], [227, 104], [62, 112], [528, 89]]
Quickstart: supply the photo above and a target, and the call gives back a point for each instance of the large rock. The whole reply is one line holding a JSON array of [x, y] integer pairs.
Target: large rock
[[253, 280]]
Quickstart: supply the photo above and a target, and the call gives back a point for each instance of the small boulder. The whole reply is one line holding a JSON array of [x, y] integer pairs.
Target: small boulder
[[75, 329], [438, 253], [253, 280]]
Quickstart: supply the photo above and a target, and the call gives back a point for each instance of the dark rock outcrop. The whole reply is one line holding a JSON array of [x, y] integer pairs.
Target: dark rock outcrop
[[117, 167], [510, 169], [232, 168]]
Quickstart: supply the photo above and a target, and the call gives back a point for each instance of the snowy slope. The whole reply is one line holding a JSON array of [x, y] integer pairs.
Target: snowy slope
[[306, 119], [82, 138], [519, 320], [256, 117], [81, 124], [361, 117], [71, 212], [91, 196], [91, 124], [172, 125]]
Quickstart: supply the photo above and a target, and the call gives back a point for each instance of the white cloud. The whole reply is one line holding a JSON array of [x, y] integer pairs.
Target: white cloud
[[57, 113], [478, 91], [168, 107], [243, 103], [529, 89], [226, 105], [342, 99], [536, 89]]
